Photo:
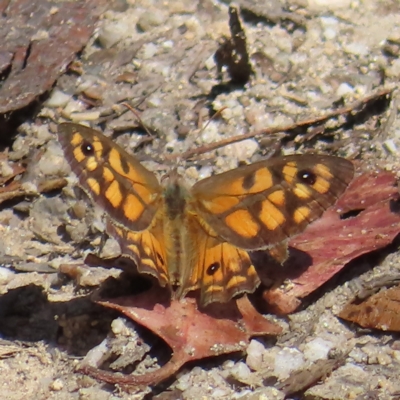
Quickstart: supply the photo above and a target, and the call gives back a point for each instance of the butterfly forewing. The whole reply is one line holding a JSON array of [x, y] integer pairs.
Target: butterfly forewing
[[259, 205], [114, 179]]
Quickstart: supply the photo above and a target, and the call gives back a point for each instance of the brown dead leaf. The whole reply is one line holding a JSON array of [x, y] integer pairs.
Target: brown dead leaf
[[16, 170], [380, 311], [17, 189]]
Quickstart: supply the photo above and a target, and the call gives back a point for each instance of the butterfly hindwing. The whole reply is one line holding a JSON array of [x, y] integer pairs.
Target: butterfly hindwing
[[146, 249], [216, 268]]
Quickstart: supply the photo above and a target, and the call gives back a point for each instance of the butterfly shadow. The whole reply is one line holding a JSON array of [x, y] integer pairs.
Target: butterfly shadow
[[28, 316]]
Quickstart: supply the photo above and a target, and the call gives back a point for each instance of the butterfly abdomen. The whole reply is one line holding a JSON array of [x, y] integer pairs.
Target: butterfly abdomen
[[175, 199]]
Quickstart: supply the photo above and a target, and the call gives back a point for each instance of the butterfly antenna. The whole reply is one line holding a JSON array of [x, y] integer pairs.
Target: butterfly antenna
[[136, 114], [205, 148], [216, 114]]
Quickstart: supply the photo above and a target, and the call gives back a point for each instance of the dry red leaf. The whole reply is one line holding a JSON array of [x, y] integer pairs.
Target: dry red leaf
[[192, 334], [328, 244]]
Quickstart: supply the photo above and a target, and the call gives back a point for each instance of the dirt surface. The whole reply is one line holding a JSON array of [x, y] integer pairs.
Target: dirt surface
[[308, 58]]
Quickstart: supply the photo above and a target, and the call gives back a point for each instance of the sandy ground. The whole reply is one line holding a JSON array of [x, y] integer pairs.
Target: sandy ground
[[307, 57]]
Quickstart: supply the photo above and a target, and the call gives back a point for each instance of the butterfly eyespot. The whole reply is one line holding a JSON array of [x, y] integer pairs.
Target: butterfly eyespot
[[87, 148], [213, 268], [307, 177]]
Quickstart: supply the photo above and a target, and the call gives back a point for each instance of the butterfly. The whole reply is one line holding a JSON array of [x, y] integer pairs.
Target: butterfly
[[199, 237]]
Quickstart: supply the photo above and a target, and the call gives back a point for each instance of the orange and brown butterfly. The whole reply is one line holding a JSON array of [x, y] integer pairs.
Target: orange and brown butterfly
[[198, 238]]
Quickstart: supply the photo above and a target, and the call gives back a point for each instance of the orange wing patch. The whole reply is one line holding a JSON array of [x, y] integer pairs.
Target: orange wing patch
[[290, 171], [242, 223], [270, 215]]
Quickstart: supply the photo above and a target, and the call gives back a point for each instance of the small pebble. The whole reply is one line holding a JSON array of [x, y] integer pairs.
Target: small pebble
[[29, 187], [57, 99], [254, 357], [241, 372], [328, 4], [210, 63], [110, 249], [330, 33], [393, 70], [149, 51], [57, 385], [286, 361], [184, 382], [264, 393], [241, 151], [5, 169], [86, 82], [384, 358], [396, 355], [390, 146], [220, 393], [205, 172], [151, 19], [317, 349], [344, 89], [42, 133], [358, 355], [94, 356], [5, 275], [118, 327], [73, 106], [358, 49], [329, 21], [52, 161], [112, 32], [85, 116]]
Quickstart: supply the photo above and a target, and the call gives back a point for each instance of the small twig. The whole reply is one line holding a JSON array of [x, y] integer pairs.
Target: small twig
[[268, 131]]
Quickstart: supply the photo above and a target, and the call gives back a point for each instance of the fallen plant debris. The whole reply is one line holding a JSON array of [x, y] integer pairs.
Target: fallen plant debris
[[48, 37], [190, 333], [354, 108], [319, 369], [17, 189], [11, 170], [233, 53], [379, 311]]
